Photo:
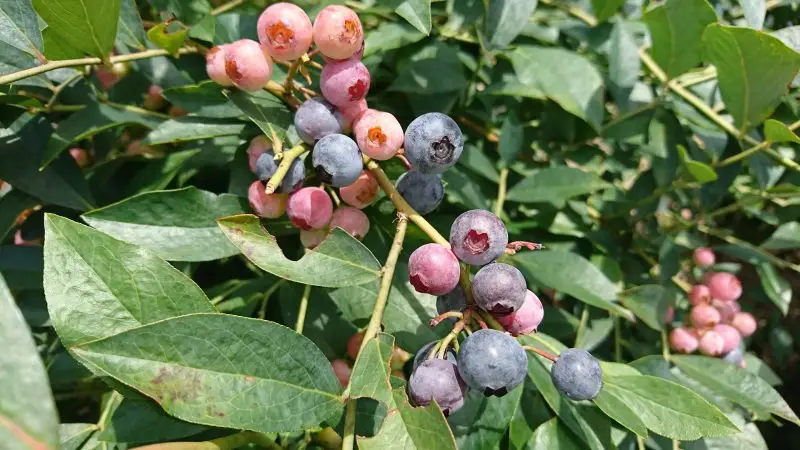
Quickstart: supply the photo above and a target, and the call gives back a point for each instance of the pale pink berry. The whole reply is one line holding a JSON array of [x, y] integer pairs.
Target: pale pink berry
[[357, 55], [80, 156], [338, 32], [727, 310], [215, 65], [669, 314], [362, 192], [107, 78], [745, 323], [704, 256], [345, 82], [154, 99], [351, 220], [352, 111], [20, 240], [526, 319], [268, 206], [433, 269], [354, 345], [176, 111], [310, 208], [730, 337], [704, 315], [258, 145], [312, 238], [725, 286], [379, 135], [683, 340], [284, 30], [342, 370], [248, 65], [711, 343], [699, 294]]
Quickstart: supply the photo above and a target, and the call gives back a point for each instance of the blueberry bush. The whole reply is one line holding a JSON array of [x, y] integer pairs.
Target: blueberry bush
[[417, 224]]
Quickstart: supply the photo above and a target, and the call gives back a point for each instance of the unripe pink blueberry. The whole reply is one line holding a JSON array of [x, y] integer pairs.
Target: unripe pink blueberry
[[526, 319], [310, 208], [745, 323], [730, 337], [727, 310], [352, 112], [378, 134], [725, 286], [248, 65], [342, 370], [354, 345], [284, 30], [351, 220], [80, 156], [338, 32], [267, 206], [215, 65], [357, 55], [20, 240], [699, 294], [154, 98], [704, 315], [312, 238], [433, 269], [669, 314], [711, 343], [683, 340], [344, 82], [258, 145], [704, 256], [362, 192]]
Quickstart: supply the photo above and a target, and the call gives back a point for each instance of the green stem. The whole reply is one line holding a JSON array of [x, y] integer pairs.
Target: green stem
[[111, 405], [287, 158], [301, 313], [227, 7], [275, 286], [501, 192], [582, 325], [617, 339], [665, 344], [752, 150]]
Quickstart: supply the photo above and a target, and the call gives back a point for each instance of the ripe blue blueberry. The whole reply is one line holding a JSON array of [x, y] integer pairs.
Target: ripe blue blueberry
[[422, 354], [735, 356], [576, 373], [437, 379], [315, 119], [433, 143], [492, 362], [422, 191], [293, 180], [478, 237], [499, 288], [337, 160], [454, 300]]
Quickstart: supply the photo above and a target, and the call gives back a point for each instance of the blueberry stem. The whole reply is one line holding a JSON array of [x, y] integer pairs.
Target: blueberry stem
[[438, 319], [301, 312], [457, 328], [288, 84], [542, 353], [514, 247], [287, 157], [501, 192]]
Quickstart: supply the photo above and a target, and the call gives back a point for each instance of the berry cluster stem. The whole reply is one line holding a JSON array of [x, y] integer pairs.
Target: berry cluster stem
[[287, 158], [539, 352]]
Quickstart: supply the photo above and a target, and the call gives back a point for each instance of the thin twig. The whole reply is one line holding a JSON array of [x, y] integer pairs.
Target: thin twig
[[287, 158], [301, 312], [225, 7], [539, 352], [501, 192]]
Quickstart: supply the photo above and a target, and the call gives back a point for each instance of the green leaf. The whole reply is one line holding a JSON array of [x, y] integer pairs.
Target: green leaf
[[389, 36], [553, 434], [88, 25], [482, 421], [187, 129], [339, 261], [618, 410], [204, 30], [170, 41], [416, 12], [158, 174], [139, 422], [435, 68], [409, 428], [74, 435], [777, 288], [676, 28], [649, 303], [741, 386], [263, 108], [623, 60], [188, 11], [531, 412], [787, 236], [130, 32], [506, 20], [97, 286], [21, 43], [511, 137], [370, 375], [555, 185], [222, 370], [565, 77], [603, 9], [749, 438], [699, 171], [754, 12], [177, 225], [753, 69], [668, 408], [777, 132], [24, 423], [205, 100], [573, 275]]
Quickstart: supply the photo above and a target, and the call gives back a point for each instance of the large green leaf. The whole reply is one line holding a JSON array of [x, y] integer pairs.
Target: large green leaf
[[565, 77], [370, 375], [187, 129], [676, 28], [573, 275], [511, 141], [618, 410], [139, 422], [339, 261], [130, 31], [554, 434], [20, 39], [222, 370], [435, 68], [416, 12], [506, 19], [603, 9], [263, 108], [787, 236], [97, 286], [87, 25], [775, 286], [777, 132], [389, 36], [753, 69], [28, 418], [482, 421], [741, 386], [554, 185], [649, 303], [205, 100], [178, 225]]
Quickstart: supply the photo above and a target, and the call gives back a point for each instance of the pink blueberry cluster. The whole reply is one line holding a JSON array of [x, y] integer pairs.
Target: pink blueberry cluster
[[716, 323]]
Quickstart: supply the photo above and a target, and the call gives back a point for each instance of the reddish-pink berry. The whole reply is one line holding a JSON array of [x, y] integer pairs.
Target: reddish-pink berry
[[258, 145], [20, 240], [725, 286], [154, 98], [215, 65], [683, 340], [354, 345], [711, 343], [704, 257], [269, 206], [284, 30], [80, 156], [745, 323], [378, 134], [362, 192], [345, 82], [699, 294], [310, 208], [730, 337], [669, 314], [433, 269], [352, 112], [727, 310], [248, 65], [351, 220], [704, 315], [342, 370], [338, 32], [312, 238], [526, 319]]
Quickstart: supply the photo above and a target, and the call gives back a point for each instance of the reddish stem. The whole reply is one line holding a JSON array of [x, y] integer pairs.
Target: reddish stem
[[438, 319], [540, 352], [405, 160], [514, 247]]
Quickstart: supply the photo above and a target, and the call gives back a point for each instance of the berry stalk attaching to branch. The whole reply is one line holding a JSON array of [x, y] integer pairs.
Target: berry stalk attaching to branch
[[286, 159]]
